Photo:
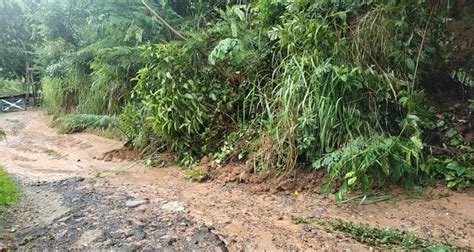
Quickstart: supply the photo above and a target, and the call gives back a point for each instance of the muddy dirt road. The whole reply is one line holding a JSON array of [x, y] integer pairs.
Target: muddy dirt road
[[73, 200]]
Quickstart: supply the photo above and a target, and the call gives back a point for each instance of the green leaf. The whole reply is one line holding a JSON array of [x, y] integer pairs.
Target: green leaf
[[410, 64], [452, 184], [239, 13], [349, 175], [451, 133], [351, 181]]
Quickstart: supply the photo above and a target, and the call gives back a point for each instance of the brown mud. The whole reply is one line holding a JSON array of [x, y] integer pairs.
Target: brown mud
[[244, 216]]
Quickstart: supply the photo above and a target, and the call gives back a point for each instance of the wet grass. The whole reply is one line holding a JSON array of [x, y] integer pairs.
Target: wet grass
[[196, 175], [374, 236], [8, 190]]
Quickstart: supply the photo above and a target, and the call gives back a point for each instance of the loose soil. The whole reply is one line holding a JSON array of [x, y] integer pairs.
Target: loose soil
[[73, 199]]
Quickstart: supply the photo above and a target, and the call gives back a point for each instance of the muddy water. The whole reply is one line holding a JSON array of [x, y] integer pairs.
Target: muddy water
[[243, 217]]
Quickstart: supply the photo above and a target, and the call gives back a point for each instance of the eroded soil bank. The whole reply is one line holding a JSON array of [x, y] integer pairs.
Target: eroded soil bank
[[73, 200]]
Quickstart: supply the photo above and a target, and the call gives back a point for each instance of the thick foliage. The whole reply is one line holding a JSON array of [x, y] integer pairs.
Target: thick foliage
[[93, 54], [191, 108], [333, 85], [9, 87], [346, 89]]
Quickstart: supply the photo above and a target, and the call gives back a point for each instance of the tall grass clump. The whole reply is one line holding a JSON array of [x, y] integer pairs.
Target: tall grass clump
[[64, 84], [112, 73], [345, 89], [79, 122]]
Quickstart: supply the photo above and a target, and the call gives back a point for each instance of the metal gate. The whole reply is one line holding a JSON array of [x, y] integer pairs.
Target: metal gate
[[12, 103]]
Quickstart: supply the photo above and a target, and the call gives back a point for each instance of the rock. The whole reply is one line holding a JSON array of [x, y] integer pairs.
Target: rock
[[231, 239], [135, 203], [26, 240], [168, 239], [70, 181], [139, 234], [90, 237], [174, 206]]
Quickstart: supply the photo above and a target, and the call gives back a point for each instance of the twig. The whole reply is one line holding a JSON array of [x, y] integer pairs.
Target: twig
[[162, 20], [419, 54]]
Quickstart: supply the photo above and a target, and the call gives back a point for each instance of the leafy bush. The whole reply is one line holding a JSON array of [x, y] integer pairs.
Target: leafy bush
[[59, 95], [191, 109], [112, 72], [458, 172], [182, 105]]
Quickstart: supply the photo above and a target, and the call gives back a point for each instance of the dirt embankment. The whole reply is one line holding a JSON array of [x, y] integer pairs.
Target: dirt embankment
[[72, 199]]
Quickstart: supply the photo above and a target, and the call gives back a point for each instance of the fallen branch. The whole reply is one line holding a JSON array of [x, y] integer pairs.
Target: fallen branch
[[162, 20]]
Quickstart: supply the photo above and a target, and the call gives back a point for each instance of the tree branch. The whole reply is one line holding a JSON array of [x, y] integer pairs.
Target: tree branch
[[162, 20]]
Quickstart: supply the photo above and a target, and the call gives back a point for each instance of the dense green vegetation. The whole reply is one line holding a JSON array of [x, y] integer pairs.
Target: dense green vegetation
[[9, 87], [8, 190], [337, 85]]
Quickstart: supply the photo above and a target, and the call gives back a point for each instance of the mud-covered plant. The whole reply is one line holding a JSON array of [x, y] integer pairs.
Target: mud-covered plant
[[391, 238]]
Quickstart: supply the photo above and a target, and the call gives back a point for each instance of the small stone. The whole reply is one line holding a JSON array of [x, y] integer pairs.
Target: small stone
[[135, 203], [321, 196], [230, 240], [139, 235], [26, 240], [174, 206], [168, 239]]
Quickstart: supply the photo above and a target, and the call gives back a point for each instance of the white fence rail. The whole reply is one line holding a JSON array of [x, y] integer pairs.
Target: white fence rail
[[12, 104]]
